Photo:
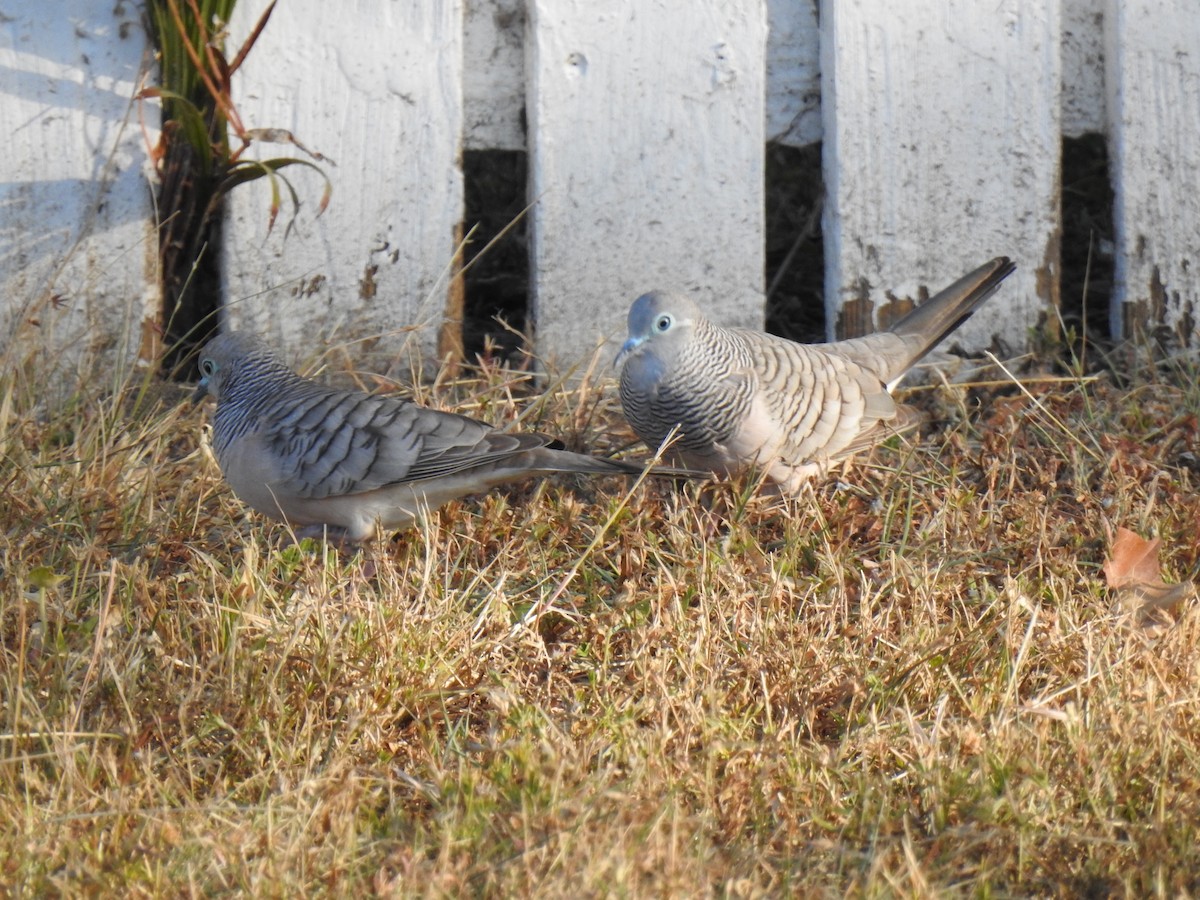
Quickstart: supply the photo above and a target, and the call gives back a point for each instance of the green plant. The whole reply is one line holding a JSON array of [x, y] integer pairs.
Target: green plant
[[196, 164]]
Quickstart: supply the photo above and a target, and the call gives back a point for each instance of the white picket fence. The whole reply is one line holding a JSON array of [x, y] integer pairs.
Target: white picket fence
[[645, 123]]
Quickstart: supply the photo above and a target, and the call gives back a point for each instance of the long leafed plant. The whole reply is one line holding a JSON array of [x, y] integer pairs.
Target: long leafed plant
[[198, 164]]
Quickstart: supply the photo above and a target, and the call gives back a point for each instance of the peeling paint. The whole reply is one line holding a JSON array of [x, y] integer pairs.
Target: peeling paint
[[1048, 284], [896, 308], [1153, 82], [450, 333], [1144, 313], [925, 185], [857, 315], [309, 287], [331, 73], [1187, 323], [367, 285], [1158, 294]]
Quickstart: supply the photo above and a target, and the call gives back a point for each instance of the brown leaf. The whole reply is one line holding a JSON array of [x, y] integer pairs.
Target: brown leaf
[[1133, 574], [1132, 559]]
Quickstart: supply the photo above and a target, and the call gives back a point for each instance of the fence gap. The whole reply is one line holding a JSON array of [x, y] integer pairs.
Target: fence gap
[[496, 282], [795, 249], [1087, 239]]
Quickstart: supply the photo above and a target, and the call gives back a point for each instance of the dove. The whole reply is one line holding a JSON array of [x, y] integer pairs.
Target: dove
[[740, 400], [350, 465]]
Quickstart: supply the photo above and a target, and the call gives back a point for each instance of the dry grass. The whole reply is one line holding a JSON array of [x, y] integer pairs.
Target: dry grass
[[908, 681]]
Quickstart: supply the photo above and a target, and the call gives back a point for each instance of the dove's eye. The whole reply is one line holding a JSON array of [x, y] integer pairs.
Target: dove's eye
[[207, 368], [662, 323]]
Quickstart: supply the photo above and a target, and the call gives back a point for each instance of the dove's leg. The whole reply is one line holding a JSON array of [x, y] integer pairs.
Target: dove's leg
[[331, 535]]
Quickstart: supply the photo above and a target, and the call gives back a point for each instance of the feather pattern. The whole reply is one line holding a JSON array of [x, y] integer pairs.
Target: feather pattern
[[740, 399], [353, 464]]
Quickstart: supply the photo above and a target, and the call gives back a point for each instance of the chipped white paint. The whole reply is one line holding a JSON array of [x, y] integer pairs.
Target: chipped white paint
[[942, 124], [1083, 101], [494, 75], [77, 246], [1153, 56], [941, 151], [377, 87], [646, 132], [793, 72], [494, 72]]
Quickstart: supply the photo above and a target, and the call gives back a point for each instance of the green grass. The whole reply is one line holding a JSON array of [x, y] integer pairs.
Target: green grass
[[909, 680]]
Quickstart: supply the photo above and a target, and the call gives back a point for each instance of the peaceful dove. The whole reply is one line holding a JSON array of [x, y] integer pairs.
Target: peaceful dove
[[742, 400], [352, 465]]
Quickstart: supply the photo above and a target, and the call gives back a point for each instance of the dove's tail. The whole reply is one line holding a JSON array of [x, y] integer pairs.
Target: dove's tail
[[930, 322], [554, 459]]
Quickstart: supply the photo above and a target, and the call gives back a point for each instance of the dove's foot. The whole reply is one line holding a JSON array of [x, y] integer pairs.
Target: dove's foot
[[330, 535]]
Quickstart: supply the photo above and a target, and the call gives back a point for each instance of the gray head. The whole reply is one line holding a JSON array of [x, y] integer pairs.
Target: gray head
[[659, 321], [233, 359]]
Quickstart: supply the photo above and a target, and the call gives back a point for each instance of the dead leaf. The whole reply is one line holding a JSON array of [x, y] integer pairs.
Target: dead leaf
[[1132, 559], [1133, 573]]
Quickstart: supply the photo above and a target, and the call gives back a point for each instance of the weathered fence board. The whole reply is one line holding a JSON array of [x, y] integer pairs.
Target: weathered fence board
[[77, 245], [1153, 60], [1083, 67], [494, 74], [494, 82], [941, 150], [793, 72], [377, 87], [645, 128], [646, 134]]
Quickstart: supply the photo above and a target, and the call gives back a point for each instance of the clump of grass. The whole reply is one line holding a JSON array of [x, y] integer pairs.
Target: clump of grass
[[909, 680]]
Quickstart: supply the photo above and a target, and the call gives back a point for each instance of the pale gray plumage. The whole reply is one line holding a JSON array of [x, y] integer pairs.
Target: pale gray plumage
[[350, 464], [740, 400]]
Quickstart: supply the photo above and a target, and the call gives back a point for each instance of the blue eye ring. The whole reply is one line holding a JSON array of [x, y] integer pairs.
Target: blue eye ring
[[662, 323]]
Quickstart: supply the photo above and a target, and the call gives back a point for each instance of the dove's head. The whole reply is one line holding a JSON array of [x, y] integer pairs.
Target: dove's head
[[233, 358], [659, 322]]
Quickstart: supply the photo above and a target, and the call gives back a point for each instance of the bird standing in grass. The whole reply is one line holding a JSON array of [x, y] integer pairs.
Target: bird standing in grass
[[741, 400], [352, 465]]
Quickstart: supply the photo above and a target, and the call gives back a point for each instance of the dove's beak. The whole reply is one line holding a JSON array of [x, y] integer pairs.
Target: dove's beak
[[628, 347], [201, 391]]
